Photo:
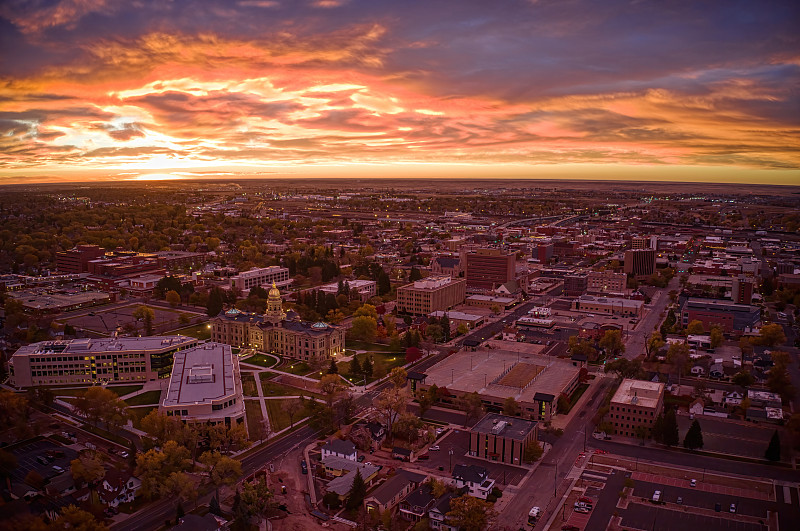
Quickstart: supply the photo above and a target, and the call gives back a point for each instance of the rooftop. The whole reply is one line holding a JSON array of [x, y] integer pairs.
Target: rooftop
[[202, 374], [638, 393], [88, 347], [509, 427]]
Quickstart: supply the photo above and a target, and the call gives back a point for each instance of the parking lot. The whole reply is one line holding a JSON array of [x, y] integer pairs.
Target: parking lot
[[26, 460], [654, 518], [106, 321], [700, 498], [458, 442]]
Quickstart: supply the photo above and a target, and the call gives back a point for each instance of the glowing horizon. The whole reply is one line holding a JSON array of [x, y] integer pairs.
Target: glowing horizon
[[104, 91]]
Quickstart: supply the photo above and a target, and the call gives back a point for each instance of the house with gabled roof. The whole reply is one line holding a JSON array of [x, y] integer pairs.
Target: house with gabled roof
[[388, 495], [416, 505], [437, 516], [339, 448], [475, 479]]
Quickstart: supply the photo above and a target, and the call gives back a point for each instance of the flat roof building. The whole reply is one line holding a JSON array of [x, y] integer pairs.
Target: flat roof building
[[95, 361], [366, 289], [435, 293], [729, 315], [205, 386], [487, 269], [635, 404], [502, 438], [264, 276], [608, 305]]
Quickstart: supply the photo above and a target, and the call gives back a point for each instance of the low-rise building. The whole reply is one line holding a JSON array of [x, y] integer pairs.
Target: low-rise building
[[475, 479], [263, 276], [636, 403], [344, 472], [388, 495], [606, 282], [205, 386], [435, 293], [729, 315], [366, 289], [608, 306], [416, 505], [437, 516], [339, 448], [502, 438]]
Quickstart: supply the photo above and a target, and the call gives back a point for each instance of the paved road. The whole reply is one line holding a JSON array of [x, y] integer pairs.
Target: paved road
[[634, 344]]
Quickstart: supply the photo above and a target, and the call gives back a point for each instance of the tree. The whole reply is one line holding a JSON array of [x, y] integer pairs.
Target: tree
[[8, 464], [671, 435], [384, 285], [495, 309], [173, 298], [743, 378], [161, 427], [654, 343], [146, 314], [562, 404], [612, 343], [444, 322], [292, 408], [716, 337], [398, 377], [694, 437], [333, 369], [778, 381], [772, 335], [165, 285], [511, 407], [472, 405], [434, 332], [179, 486], [367, 366], [773, 452], [255, 499], [355, 366], [215, 301], [220, 469], [744, 405], [695, 328], [98, 404], [414, 275], [533, 451], [438, 487], [678, 356], [391, 403], [582, 347], [407, 427], [624, 367], [88, 468], [426, 399], [364, 328], [76, 519], [658, 429], [469, 513], [357, 491], [330, 385]]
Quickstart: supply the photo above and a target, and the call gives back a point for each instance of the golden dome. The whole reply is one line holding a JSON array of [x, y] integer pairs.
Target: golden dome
[[274, 292]]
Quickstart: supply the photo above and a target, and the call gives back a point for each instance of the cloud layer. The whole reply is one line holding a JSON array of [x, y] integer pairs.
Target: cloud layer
[[118, 86]]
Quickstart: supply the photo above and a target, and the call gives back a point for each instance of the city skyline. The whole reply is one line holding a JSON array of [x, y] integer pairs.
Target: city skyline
[[95, 90]]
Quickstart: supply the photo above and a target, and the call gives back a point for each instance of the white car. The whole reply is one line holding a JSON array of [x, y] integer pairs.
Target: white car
[[434, 448], [693, 483]]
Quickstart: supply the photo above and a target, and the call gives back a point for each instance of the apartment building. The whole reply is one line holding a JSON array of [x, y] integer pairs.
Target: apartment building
[[435, 293], [636, 403], [95, 361], [205, 386]]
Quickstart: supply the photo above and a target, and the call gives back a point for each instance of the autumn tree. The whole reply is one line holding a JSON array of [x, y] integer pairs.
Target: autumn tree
[[533, 451], [472, 405], [88, 468], [73, 518], [772, 335], [173, 298], [695, 328], [147, 315], [612, 343], [363, 328], [220, 469], [511, 407], [254, 500], [469, 513], [678, 356], [715, 336], [654, 343], [99, 404], [582, 347], [330, 385]]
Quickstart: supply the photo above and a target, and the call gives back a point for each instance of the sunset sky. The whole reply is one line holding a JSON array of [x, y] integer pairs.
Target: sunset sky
[[677, 90]]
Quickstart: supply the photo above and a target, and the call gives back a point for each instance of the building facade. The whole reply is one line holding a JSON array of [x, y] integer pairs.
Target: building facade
[[366, 289], [729, 315], [273, 332], [742, 289], [76, 260], [640, 262], [488, 268], [264, 276], [606, 282], [96, 361], [431, 294], [502, 438], [608, 306], [637, 403], [205, 386]]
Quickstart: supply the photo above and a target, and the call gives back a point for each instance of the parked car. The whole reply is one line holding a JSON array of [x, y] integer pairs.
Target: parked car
[[123, 454], [585, 499], [423, 457], [733, 508], [58, 470], [680, 500], [657, 496], [361, 458], [42, 459], [303, 467], [434, 448], [582, 510], [693, 483]]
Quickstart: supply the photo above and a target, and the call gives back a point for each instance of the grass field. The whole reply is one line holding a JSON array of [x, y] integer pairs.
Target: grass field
[[271, 388], [299, 368], [121, 390], [382, 364], [150, 397], [253, 411], [200, 331], [352, 344], [278, 417], [261, 360], [249, 384], [138, 413]]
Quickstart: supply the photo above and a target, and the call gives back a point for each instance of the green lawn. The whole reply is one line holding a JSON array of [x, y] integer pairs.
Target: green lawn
[[383, 363], [299, 368], [148, 398], [253, 411], [249, 384], [363, 345], [271, 388], [200, 331], [261, 360], [138, 413], [278, 417], [123, 390]]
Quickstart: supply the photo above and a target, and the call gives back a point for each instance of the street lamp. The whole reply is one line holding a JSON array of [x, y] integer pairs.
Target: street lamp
[[451, 459]]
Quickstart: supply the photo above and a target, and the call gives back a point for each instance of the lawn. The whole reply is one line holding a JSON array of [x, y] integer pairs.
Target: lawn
[[271, 388], [278, 417], [148, 398], [138, 413], [299, 368], [249, 384], [261, 360], [253, 410], [353, 344], [200, 331], [121, 390], [382, 364]]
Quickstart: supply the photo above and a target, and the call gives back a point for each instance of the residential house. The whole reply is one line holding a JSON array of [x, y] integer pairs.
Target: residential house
[[388, 495], [344, 471], [733, 398], [339, 448], [437, 516], [403, 454], [416, 505], [475, 478], [696, 407]]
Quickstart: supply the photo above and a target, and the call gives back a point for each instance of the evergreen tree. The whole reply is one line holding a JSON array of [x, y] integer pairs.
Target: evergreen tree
[[366, 368], [214, 507], [333, 369], [357, 491], [340, 287], [773, 452], [384, 284], [414, 275], [180, 513], [658, 429], [694, 437], [671, 435], [444, 322], [214, 305], [355, 366], [407, 339]]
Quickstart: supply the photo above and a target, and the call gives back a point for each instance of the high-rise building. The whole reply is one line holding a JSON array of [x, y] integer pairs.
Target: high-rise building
[[489, 268], [640, 242], [76, 260], [640, 262], [742, 292], [431, 294]]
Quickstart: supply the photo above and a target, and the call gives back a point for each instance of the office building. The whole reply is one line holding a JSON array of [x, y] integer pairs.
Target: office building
[[76, 260], [636, 403], [729, 315], [575, 285], [205, 386], [640, 262], [742, 289], [502, 438], [366, 289], [431, 294], [608, 306], [606, 282], [486, 269], [273, 332], [265, 276], [96, 361]]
